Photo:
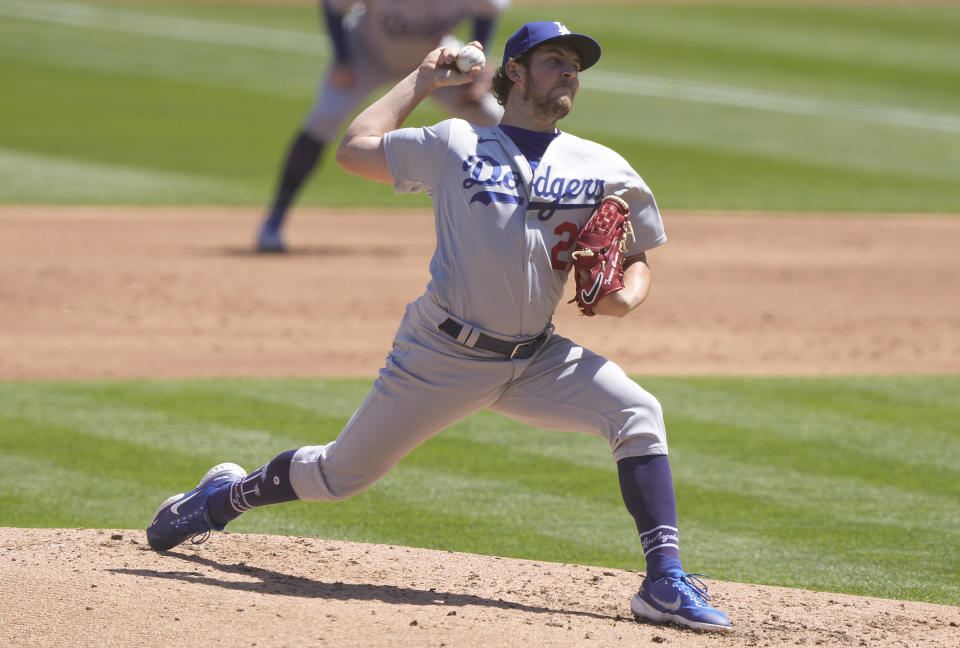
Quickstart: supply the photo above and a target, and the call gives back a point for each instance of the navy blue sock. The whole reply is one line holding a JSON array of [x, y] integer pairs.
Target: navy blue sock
[[269, 484], [301, 159], [646, 484]]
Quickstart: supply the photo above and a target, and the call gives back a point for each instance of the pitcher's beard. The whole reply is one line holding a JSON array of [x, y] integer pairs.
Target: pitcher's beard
[[550, 108]]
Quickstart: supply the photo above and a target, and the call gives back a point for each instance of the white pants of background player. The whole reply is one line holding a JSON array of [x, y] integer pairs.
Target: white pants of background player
[[431, 381], [333, 106]]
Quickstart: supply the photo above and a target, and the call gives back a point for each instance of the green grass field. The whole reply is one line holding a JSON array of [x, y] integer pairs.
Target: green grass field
[[750, 107], [841, 484]]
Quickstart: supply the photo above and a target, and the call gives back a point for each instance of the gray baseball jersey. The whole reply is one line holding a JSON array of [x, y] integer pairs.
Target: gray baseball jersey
[[492, 212], [504, 237]]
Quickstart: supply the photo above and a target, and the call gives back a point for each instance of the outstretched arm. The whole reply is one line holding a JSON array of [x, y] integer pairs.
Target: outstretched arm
[[361, 150]]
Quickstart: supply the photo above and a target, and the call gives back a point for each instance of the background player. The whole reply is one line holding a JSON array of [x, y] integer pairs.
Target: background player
[[374, 42], [509, 202]]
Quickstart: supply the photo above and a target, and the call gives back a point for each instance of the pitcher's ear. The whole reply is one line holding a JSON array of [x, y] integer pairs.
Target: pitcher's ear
[[512, 70]]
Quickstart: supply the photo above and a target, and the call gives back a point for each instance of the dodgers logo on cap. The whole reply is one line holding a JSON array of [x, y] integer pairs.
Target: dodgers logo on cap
[[534, 34]]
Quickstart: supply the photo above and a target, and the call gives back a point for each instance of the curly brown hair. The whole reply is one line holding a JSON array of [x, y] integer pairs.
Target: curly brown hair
[[502, 83]]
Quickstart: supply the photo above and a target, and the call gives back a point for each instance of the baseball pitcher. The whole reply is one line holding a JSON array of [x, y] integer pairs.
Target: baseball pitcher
[[519, 207]]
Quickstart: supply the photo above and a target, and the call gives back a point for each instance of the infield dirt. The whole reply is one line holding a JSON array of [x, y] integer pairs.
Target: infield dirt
[[133, 292], [119, 292]]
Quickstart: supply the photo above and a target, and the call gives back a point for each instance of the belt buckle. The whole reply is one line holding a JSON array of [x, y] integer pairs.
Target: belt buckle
[[522, 345]]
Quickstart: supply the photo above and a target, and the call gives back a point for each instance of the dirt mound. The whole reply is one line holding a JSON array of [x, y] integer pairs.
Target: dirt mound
[[78, 588]]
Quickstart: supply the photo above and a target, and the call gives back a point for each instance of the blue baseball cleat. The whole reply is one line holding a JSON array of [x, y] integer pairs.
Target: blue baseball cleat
[[270, 240], [186, 515], [679, 600]]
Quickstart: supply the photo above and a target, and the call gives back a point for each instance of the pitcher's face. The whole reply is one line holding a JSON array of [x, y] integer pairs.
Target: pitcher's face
[[551, 80]]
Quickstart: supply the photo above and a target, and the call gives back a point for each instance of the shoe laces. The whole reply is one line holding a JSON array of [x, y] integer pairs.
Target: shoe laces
[[197, 522], [697, 586], [200, 538]]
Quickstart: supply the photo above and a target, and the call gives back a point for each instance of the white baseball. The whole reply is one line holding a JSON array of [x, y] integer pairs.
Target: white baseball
[[468, 57]]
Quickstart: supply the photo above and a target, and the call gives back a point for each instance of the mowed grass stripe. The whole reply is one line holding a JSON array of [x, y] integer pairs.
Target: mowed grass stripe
[[818, 454], [39, 492], [216, 33], [286, 76], [710, 413], [111, 19], [580, 451], [806, 65], [765, 101], [67, 478], [840, 143], [207, 428], [787, 47], [757, 537], [334, 398], [676, 168], [158, 132], [914, 42], [852, 499], [598, 523], [889, 564], [771, 487], [63, 180], [71, 446], [178, 106], [132, 118], [880, 419], [213, 434], [205, 423]]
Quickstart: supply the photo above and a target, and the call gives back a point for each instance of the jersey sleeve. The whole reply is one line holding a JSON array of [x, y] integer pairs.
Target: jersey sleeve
[[645, 219], [644, 213], [417, 156]]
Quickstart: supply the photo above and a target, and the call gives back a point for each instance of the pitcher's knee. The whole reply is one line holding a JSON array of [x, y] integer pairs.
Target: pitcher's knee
[[310, 481], [316, 480], [305, 475], [640, 431], [343, 486]]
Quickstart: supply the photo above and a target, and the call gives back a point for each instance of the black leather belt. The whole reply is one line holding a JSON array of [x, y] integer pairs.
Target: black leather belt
[[512, 350]]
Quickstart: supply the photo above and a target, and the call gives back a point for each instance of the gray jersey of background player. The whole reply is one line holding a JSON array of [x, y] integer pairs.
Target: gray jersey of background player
[[375, 42], [509, 201]]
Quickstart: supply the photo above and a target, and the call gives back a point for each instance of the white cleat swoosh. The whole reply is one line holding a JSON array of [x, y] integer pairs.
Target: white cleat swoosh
[[175, 509], [671, 607]]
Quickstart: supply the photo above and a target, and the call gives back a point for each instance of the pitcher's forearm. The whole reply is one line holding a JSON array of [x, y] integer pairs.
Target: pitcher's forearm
[[636, 287], [361, 149]]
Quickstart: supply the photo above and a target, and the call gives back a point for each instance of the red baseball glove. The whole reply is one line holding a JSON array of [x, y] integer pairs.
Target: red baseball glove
[[598, 256]]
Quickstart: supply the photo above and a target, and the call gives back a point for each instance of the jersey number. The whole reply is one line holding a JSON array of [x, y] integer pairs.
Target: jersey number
[[569, 233]]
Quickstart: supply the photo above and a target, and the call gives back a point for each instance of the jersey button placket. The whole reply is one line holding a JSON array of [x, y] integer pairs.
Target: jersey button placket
[[528, 239]]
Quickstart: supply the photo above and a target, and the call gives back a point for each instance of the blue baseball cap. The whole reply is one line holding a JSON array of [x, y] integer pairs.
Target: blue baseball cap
[[534, 34]]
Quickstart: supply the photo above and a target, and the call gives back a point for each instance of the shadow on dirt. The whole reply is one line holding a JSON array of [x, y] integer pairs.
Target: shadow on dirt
[[376, 251], [272, 582]]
